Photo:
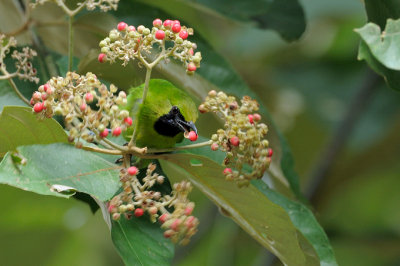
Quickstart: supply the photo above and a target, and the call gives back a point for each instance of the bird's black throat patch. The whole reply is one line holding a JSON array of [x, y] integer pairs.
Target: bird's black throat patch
[[168, 124]]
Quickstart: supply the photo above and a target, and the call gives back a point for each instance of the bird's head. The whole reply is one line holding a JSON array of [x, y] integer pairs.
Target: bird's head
[[173, 123]]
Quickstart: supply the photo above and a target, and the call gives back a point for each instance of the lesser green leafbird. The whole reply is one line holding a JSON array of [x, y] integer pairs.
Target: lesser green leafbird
[[163, 117]]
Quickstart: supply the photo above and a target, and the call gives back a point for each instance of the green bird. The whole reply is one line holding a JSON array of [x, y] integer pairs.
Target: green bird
[[163, 117]]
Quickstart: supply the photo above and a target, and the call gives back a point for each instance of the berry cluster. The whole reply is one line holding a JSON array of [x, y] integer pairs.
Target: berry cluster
[[72, 96], [103, 5], [138, 197], [128, 43], [242, 139], [24, 69]]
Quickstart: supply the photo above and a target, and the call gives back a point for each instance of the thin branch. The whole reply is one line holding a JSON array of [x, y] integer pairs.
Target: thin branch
[[14, 86], [179, 148], [100, 150]]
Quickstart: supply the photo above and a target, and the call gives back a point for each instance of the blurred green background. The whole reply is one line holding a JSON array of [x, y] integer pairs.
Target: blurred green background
[[308, 86]]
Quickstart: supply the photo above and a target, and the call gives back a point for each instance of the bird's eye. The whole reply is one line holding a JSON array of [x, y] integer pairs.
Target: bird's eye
[[175, 110]]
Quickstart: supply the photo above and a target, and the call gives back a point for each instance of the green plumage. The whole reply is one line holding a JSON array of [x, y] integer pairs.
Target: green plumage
[[162, 95]]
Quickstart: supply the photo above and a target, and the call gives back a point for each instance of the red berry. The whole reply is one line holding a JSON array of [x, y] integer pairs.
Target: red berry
[[175, 224], [167, 23], [132, 170], [104, 133], [139, 212], [183, 34], [214, 146], [157, 22], [160, 35], [46, 87], [38, 107], [192, 136], [270, 152], [128, 121], [117, 131], [32, 102], [101, 57], [227, 171], [131, 28], [89, 97], [83, 107], [176, 22], [191, 67], [234, 141], [122, 26], [163, 218], [257, 117], [188, 211], [176, 27], [251, 117]]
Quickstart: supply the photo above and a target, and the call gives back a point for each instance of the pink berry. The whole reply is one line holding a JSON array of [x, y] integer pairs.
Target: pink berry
[[116, 132], [176, 22], [122, 26], [183, 34], [191, 52], [37, 96], [131, 28], [214, 146], [46, 87], [38, 107], [132, 170], [175, 224], [111, 208], [83, 107], [251, 117], [44, 96], [89, 97], [167, 23], [168, 233], [257, 117], [188, 211], [191, 67], [32, 102], [193, 136], [138, 212], [160, 35], [101, 57], [104, 133], [163, 218], [270, 152], [234, 141], [176, 27], [227, 171], [128, 121], [189, 221], [157, 22]]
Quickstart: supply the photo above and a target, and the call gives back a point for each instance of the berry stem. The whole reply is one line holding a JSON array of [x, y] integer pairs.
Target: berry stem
[[70, 42]]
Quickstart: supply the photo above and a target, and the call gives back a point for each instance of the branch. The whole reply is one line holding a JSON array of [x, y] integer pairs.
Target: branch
[[179, 148]]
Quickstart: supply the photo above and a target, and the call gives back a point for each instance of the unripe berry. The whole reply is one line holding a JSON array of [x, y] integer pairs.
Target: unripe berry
[[189, 222], [168, 233], [104, 133], [167, 23], [138, 212], [188, 211], [234, 141], [140, 28], [191, 52], [191, 67], [152, 210], [160, 35], [131, 28], [37, 96], [176, 27], [175, 225], [122, 94], [227, 171], [111, 208], [157, 23], [214, 146], [163, 218], [32, 102], [183, 34], [132, 170], [83, 107], [128, 121], [38, 107], [46, 87], [89, 97], [116, 132], [122, 26], [116, 216], [101, 57], [193, 136], [257, 117]]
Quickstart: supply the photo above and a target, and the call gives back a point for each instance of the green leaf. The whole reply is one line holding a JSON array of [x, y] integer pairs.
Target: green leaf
[[385, 46], [265, 221], [392, 77], [58, 166], [8, 96], [19, 126], [140, 242]]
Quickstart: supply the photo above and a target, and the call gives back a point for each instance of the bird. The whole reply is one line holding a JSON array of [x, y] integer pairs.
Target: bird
[[161, 120]]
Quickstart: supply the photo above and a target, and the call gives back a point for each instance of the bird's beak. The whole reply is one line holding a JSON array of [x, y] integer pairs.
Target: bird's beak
[[186, 126]]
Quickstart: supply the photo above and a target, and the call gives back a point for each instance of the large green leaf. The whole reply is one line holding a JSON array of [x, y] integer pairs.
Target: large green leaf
[[8, 96], [385, 46], [264, 220], [19, 126], [140, 242], [60, 167]]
